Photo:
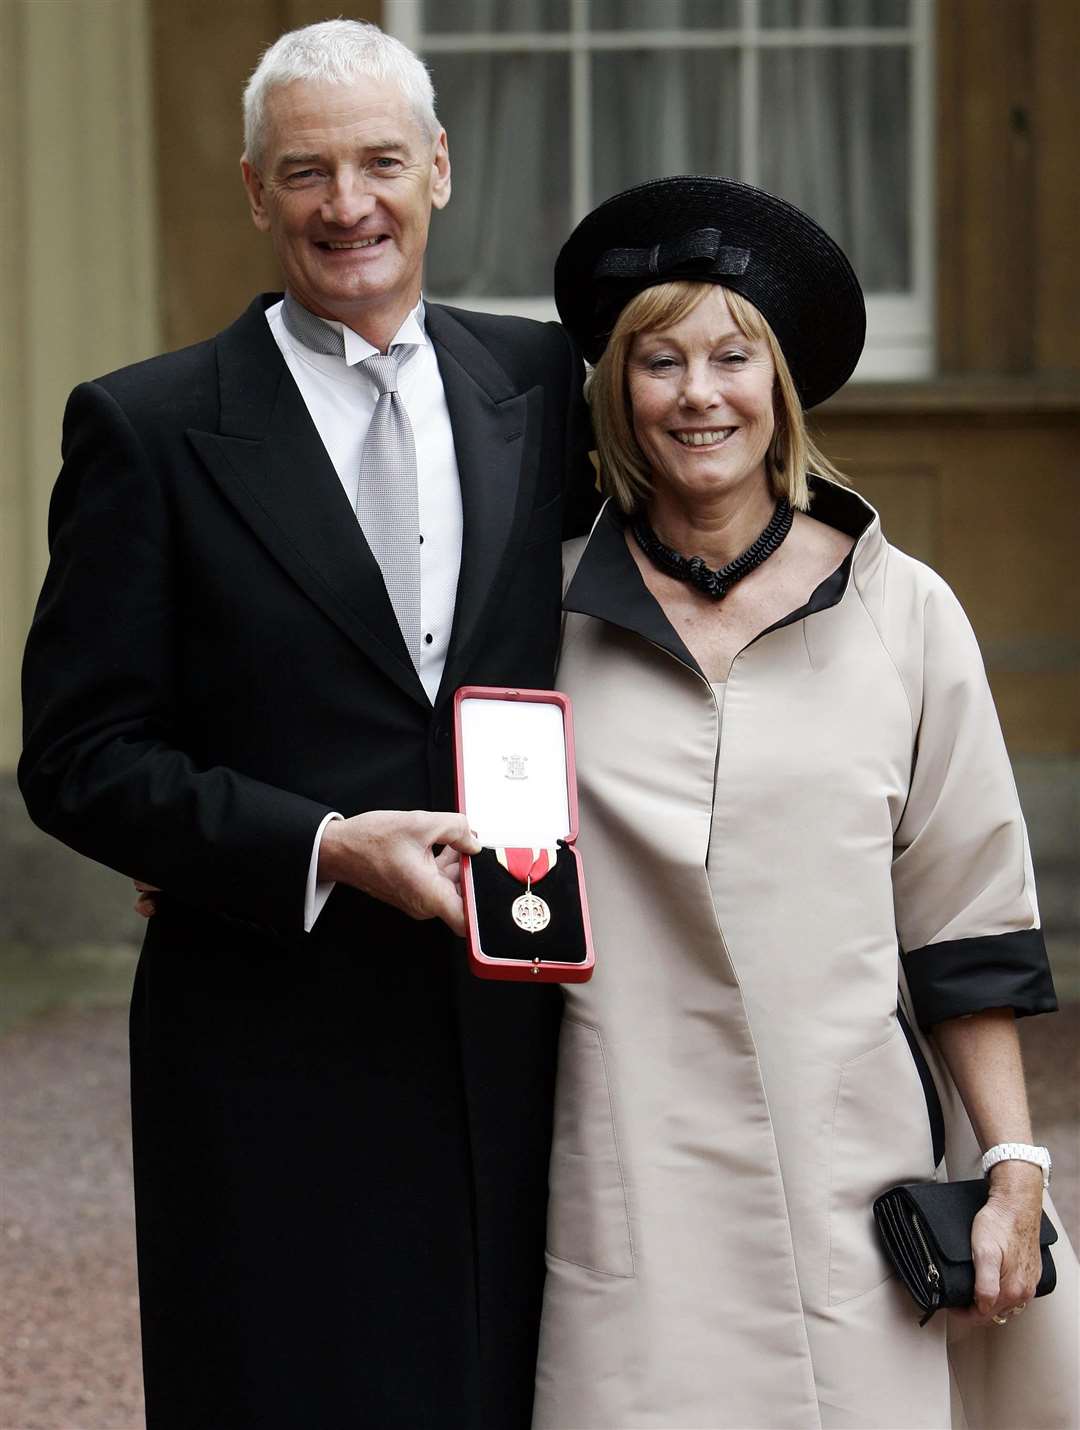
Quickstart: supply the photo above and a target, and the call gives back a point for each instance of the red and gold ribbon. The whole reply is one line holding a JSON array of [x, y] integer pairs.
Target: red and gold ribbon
[[527, 866]]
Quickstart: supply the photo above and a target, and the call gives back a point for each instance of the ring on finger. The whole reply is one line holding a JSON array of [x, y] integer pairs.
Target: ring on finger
[[1000, 1320], [1017, 1309]]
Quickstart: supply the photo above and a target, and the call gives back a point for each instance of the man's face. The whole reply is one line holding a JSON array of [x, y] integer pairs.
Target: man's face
[[345, 187]]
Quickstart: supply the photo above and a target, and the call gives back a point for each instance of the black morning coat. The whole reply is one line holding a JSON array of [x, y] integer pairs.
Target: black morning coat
[[341, 1138]]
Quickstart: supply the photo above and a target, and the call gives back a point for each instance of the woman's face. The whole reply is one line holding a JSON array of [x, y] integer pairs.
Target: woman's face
[[701, 395]]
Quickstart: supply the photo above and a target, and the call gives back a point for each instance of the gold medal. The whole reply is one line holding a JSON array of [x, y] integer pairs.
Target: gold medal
[[530, 912]]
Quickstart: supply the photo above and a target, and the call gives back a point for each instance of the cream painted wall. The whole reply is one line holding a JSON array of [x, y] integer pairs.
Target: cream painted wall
[[78, 260]]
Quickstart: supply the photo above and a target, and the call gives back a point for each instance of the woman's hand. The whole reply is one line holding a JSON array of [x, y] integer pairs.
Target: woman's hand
[[1005, 1244], [145, 903], [982, 1052]]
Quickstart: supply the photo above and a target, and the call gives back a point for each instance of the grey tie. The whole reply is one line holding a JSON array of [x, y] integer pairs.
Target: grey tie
[[386, 500], [387, 505]]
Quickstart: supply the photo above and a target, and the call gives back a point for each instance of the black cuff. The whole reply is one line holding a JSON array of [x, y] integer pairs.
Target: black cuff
[[967, 975]]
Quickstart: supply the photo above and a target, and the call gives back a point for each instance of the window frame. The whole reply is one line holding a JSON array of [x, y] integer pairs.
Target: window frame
[[900, 327]]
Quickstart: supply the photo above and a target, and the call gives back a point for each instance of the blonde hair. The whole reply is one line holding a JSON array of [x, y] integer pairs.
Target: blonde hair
[[625, 470]]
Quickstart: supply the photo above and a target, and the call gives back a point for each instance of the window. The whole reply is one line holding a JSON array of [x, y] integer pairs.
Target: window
[[552, 105]]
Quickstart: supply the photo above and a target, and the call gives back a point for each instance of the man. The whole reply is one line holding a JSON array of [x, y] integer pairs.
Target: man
[[340, 1138]]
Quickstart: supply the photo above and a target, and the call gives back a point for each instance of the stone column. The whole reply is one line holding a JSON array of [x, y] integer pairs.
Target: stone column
[[78, 260]]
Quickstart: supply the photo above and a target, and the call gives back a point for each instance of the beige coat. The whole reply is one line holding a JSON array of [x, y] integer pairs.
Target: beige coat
[[734, 1085]]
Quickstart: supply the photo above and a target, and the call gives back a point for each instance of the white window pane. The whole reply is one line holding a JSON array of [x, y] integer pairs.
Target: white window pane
[[443, 17], [835, 140], [832, 14], [664, 14], [659, 113], [507, 121]]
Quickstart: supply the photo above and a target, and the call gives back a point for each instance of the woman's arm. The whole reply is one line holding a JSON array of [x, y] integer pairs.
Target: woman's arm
[[982, 1052]]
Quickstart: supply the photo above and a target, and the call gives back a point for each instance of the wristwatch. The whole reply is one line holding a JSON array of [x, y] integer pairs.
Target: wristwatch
[[1018, 1152]]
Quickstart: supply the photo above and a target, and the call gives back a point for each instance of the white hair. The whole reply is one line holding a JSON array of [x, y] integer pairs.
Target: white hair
[[336, 52]]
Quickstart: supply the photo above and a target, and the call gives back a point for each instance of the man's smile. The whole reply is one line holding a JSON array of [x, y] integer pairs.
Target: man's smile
[[337, 245]]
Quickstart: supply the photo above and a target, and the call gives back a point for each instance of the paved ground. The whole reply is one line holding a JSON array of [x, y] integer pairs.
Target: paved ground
[[68, 1319]]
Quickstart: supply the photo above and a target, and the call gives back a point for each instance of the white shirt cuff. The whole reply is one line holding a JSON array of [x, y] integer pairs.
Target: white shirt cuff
[[317, 893]]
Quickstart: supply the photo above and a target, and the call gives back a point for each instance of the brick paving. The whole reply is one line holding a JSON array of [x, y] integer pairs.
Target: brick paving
[[69, 1317]]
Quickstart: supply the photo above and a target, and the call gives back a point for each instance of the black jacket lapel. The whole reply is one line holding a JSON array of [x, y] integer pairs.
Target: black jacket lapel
[[270, 463], [607, 585], [497, 448]]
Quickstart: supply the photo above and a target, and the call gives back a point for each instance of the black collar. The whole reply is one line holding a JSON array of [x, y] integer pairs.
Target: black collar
[[608, 584]]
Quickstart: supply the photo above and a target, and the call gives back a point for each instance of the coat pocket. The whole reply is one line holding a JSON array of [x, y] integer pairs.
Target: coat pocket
[[880, 1137], [588, 1217]]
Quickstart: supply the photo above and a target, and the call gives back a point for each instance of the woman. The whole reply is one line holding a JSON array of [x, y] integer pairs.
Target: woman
[[789, 761]]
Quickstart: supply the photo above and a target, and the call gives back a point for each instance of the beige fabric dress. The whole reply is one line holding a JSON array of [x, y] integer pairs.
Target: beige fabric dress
[[734, 1084]]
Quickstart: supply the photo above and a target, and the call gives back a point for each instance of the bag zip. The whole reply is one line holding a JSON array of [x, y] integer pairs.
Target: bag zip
[[933, 1275]]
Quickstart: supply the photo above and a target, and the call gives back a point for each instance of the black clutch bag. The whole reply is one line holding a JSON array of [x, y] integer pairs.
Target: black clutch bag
[[925, 1228]]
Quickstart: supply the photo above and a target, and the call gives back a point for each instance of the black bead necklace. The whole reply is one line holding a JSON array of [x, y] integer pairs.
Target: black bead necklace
[[694, 570]]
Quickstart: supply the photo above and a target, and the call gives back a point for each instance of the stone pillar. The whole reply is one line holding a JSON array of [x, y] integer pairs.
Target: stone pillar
[[78, 260]]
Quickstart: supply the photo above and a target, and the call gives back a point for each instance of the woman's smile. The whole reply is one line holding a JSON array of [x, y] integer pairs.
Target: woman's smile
[[702, 437]]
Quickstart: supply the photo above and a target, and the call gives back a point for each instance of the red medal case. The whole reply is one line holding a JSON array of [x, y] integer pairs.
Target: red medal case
[[497, 732]]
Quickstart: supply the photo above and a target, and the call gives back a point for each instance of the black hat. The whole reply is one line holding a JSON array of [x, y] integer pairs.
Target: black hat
[[717, 230]]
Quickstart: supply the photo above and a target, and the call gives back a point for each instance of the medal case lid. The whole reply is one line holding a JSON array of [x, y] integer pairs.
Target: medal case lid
[[516, 779]]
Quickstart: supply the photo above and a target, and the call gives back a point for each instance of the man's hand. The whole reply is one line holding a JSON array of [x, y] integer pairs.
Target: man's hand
[[389, 854]]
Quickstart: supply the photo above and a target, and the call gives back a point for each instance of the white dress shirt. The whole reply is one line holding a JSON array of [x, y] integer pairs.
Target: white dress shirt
[[341, 400]]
